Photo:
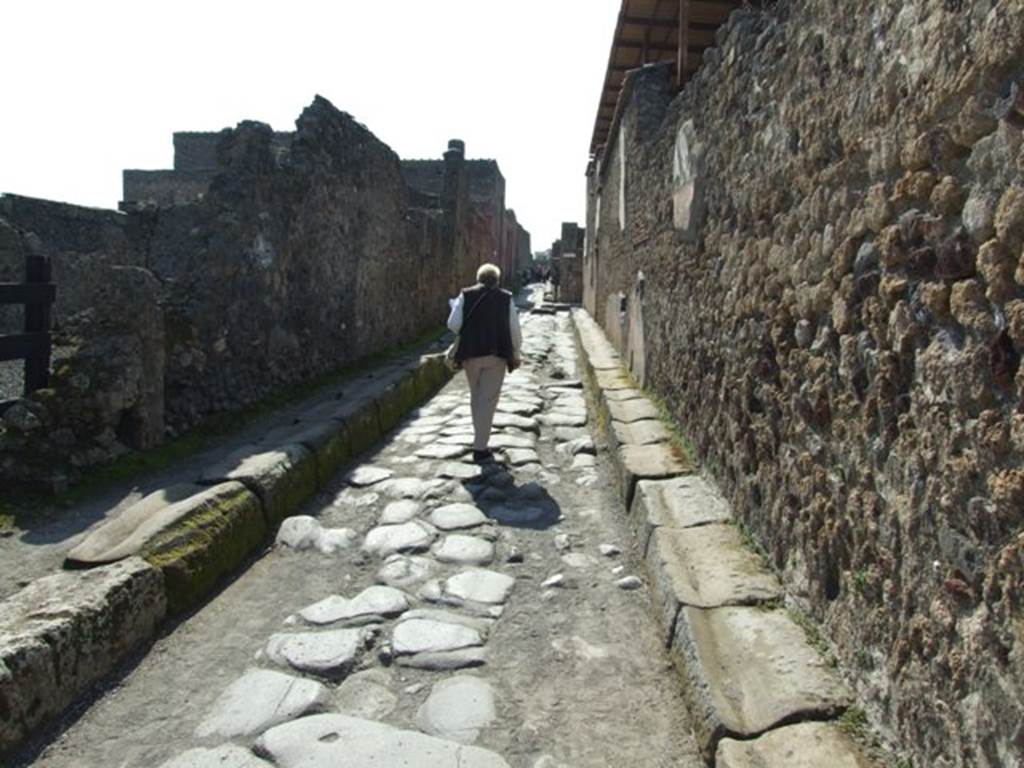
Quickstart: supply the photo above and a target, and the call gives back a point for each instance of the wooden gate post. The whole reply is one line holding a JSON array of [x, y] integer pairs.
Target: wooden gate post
[[38, 269]]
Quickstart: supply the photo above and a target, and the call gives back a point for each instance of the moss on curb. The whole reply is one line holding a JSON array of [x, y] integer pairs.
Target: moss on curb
[[199, 550]]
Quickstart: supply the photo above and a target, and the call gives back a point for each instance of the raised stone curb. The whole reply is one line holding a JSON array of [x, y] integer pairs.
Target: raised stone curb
[[747, 668], [188, 538], [65, 632], [805, 745]]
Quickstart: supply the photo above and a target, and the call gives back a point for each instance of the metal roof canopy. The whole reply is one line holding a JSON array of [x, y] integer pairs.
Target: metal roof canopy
[[651, 31]]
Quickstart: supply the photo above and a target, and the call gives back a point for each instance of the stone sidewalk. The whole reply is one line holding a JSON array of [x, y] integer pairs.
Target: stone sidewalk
[[423, 610]]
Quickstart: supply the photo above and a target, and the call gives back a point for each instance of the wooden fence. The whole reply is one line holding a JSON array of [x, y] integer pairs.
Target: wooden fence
[[37, 294]]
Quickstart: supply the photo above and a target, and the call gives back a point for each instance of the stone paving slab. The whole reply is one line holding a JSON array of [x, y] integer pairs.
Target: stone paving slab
[[804, 745], [62, 633], [126, 535], [619, 395], [261, 699], [706, 567], [227, 756], [391, 539], [679, 502], [430, 636], [339, 741], [643, 432], [647, 462], [457, 709], [372, 604], [330, 654], [458, 549], [632, 410], [445, 661], [282, 478], [749, 669], [302, 532], [612, 379]]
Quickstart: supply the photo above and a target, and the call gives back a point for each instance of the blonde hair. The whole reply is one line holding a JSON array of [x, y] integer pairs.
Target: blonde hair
[[488, 274]]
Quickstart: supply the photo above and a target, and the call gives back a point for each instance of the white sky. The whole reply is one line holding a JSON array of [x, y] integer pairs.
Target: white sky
[[93, 87]]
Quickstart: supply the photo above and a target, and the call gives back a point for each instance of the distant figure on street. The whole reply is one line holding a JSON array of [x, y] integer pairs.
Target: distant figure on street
[[490, 342]]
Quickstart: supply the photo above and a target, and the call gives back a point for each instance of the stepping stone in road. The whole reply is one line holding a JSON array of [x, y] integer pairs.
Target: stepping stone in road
[[339, 741], [401, 571], [412, 488], [398, 512], [428, 636], [261, 699], [366, 694], [465, 550], [367, 474], [226, 756], [327, 654], [438, 450], [445, 661], [457, 709], [371, 605], [459, 470], [386, 540], [305, 532], [519, 456], [511, 441], [480, 586], [453, 517]]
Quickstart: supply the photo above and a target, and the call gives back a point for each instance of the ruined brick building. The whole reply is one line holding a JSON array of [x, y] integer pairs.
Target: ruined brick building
[[804, 231], [262, 261]]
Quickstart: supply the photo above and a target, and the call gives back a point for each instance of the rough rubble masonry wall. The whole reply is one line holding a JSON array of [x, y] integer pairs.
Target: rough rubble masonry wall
[[817, 261], [293, 264]]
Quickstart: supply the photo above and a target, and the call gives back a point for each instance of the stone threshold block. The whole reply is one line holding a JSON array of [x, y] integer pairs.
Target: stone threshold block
[[629, 411], [282, 478], [805, 745], [63, 633], [644, 432], [747, 670], [705, 567], [340, 741], [647, 462], [680, 502]]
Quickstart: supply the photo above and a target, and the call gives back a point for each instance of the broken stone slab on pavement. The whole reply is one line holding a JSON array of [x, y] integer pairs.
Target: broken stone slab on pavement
[[679, 502], [373, 604], [62, 633], [261, 699], [282, 478], [457, 709], [804, 745], [707, 567], [749, 669], [339, 741]]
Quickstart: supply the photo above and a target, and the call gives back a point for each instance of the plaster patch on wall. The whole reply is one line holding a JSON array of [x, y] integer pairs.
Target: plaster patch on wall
[[687, 180]]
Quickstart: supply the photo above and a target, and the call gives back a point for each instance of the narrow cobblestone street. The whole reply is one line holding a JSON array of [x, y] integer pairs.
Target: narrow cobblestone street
[[433, 611]]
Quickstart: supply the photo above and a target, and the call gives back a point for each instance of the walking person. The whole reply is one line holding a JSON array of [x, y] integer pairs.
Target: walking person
[[490, 342]]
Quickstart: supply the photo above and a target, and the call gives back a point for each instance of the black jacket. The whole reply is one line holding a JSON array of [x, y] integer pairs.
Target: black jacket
[[485, 328]]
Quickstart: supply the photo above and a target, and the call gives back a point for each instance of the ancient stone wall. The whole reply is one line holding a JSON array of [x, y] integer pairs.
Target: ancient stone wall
[[293, 264], [814, 253]]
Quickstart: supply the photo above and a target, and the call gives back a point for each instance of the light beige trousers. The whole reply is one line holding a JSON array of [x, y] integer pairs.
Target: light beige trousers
[[485, 376]]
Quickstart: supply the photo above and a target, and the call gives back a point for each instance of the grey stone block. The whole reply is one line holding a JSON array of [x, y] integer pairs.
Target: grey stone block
[[611, 379], [805, 745], [632, 410], [62, 633], [643, 432], [749, 669], [706, 567], [646, 462], [679, 502], [282, 478]]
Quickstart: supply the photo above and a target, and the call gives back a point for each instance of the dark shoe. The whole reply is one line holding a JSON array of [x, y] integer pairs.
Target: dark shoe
[[481, 457]]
